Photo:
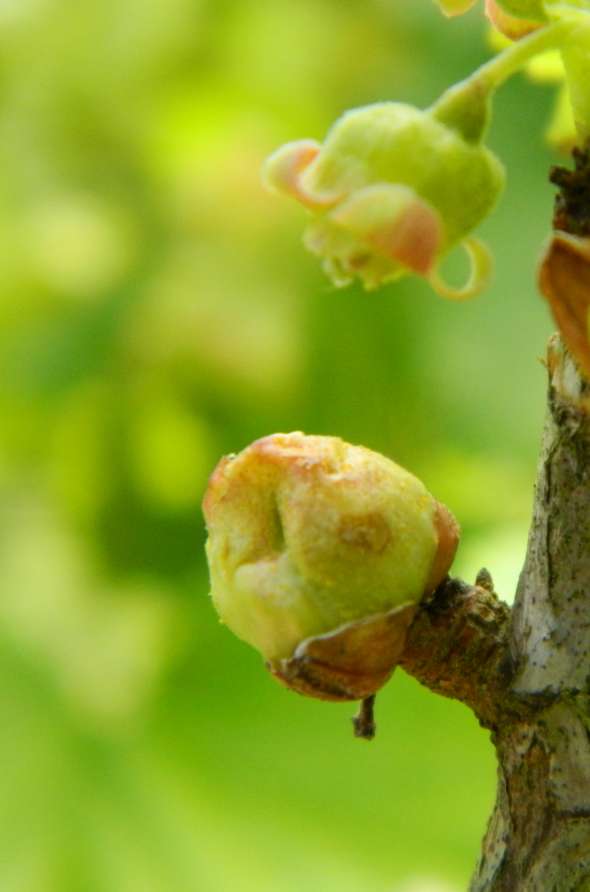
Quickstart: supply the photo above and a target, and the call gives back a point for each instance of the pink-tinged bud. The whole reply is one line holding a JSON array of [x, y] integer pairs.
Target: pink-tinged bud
[[455, 7], [511, 26], [564, 279], [319, 553]]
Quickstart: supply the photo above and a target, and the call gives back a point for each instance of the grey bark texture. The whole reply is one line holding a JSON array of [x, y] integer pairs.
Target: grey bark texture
[[525, 672]]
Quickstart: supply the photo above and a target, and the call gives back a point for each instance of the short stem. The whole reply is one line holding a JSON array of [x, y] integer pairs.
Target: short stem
[[465, 105], [495, 72], [364, 721], [458, 646]]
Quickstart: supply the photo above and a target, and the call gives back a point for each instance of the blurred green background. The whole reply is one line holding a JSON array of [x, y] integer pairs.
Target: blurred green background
[[157, 310]]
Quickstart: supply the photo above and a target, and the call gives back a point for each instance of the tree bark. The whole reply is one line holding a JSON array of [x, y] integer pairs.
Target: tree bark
[[526, 672]]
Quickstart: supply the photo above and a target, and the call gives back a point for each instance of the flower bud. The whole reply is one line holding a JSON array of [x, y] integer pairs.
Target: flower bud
[[513, 27], [393, 188], [319, 553]]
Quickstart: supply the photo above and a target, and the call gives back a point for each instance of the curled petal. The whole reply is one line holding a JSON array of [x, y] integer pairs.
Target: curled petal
[[479, 276], [394, 223], [455, 7], [564, 279], [283, 169]]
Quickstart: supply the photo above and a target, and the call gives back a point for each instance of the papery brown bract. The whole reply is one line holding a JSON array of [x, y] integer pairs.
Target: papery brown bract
[[564, 279]]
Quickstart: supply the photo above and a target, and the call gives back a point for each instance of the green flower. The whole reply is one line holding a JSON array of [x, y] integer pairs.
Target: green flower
[[393, 189]]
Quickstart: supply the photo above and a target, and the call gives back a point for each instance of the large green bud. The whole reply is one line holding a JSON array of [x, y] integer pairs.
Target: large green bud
[[319, 553], [393, 188]]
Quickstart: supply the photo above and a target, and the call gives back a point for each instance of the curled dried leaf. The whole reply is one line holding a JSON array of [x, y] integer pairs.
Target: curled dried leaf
[[351, 662], [564, 280]]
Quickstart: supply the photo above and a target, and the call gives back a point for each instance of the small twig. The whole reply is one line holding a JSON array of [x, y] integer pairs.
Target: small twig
[[364, 721], [458, 646]]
